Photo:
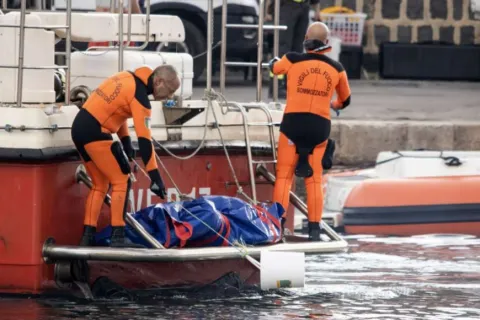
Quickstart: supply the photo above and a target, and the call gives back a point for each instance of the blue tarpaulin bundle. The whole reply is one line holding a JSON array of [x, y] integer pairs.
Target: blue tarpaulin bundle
[[190, 223]]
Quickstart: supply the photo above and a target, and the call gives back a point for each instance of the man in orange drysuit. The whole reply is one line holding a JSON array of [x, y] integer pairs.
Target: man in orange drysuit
[[312, 79], [118, 98]]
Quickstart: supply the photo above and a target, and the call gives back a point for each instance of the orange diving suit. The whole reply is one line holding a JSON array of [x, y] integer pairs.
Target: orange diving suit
[[122, 96], [312, 78]]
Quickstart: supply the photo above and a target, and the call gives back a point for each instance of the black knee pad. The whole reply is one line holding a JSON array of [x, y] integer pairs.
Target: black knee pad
[[327, 161], [121, 157], [303, 168]]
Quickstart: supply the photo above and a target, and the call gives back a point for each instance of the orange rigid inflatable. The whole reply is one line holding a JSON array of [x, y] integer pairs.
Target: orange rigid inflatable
[[414, 206]]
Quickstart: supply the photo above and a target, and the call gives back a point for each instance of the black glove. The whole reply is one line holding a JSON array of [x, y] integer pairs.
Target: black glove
[[156, 184], [128, 147], [272, 62]]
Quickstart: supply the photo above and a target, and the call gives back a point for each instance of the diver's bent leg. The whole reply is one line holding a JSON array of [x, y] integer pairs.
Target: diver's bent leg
[[314, 188], [120, 191], [114, 169], [94, 203]]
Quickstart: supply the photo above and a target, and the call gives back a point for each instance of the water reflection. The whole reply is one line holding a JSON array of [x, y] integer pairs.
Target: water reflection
[[427, 277]]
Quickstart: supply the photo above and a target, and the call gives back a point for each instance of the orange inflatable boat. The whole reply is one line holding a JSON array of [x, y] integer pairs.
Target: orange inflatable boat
[[408, 193]]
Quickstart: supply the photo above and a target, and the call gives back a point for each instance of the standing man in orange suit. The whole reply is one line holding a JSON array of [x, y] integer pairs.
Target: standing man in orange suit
[[120, 97], [312, 79]]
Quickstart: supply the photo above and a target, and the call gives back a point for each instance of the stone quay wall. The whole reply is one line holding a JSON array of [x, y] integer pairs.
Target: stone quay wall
[[412, 21]]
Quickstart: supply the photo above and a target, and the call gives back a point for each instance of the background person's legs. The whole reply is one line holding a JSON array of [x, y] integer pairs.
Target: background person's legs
[[301, 26], [290, 13]]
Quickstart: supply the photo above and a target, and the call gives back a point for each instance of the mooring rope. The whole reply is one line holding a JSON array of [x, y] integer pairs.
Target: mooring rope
[[450, 161]]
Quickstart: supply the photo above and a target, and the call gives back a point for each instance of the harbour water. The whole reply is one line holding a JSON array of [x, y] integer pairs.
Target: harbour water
[[433, 277]]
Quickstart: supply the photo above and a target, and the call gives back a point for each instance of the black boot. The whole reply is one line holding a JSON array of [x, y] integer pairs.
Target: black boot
[[118, 239], [88, 238], [313, 231]]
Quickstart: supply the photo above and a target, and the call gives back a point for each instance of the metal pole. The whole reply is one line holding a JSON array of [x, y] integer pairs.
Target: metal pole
[[120, 36], [129, 27], [251, 172], [147, 33], [260, 50], [209, 44], [4, 4], [68, 51], [147, 27], [276, 40], [53, 253], [223, 54], [21, 51], [113, 4]]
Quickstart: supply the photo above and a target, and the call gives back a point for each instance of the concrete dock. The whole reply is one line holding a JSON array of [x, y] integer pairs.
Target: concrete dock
[[392, 115]]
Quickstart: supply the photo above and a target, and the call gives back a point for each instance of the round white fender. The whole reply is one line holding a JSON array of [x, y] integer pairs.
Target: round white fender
[[280, 269]]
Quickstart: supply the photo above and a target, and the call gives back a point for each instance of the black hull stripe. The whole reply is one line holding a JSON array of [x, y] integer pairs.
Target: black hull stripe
[[422, 214]]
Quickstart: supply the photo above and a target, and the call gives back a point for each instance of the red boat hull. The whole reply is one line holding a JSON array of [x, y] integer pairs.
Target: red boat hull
[[41, 201], [167, 274]]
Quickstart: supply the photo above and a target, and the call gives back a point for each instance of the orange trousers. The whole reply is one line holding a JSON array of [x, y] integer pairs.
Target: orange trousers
[[286, 163], [104, 170]]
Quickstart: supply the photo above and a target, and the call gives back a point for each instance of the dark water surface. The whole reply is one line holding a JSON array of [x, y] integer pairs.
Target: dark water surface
[[425, 277]]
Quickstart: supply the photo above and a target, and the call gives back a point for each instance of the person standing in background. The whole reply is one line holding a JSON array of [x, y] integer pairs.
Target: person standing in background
[[141, 5], [295, 14]]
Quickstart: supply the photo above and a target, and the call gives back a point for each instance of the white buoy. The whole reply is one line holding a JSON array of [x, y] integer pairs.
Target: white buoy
[[280, 269]]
